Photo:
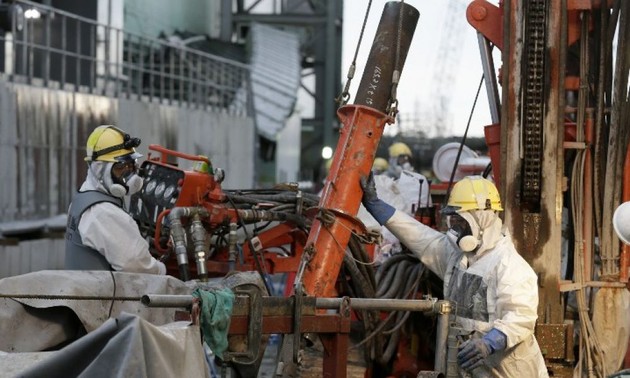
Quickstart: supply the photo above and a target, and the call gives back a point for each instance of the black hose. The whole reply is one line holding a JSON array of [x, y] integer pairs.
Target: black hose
[[274, 198], [393, 280], [399, 323], [311, 197], [389, 262], [413, 279], [401, 277], [392, 346], [385, 281], [376, 330], [362, 262], [358, 280]]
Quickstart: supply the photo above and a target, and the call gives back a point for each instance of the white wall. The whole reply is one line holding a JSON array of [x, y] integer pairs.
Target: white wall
[[43, 134], [288, 150]]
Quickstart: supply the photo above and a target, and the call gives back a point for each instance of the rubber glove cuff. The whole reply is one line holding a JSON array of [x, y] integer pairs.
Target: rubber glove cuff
[[495, 340], [380, 210]]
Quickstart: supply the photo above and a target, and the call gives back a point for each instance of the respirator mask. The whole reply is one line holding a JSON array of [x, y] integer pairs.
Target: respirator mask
[[461, 232], [123, 179]]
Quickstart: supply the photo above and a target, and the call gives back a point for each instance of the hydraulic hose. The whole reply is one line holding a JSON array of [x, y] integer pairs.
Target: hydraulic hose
[[198, 235], [363, 261], [388, 263], [392, 280], [178, 235], [365, 290], [265, 215], [274, 198]]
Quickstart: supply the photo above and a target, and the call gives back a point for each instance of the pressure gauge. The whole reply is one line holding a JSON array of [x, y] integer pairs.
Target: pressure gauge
[[150, 187], [160, 189], [168, 193]]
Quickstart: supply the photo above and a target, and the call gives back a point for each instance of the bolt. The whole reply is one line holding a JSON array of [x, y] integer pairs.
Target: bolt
[[479, 13]]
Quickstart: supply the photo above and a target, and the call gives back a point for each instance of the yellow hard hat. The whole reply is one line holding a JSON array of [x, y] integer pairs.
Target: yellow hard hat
[[380, 164], [398, 149], [109, 143], [473, 193]]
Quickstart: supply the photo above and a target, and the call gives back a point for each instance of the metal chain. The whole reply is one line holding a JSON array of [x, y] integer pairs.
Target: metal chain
[[370, 237], [328, 218], [344, 97]]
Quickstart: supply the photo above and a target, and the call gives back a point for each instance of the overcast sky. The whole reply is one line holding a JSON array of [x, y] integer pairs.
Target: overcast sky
[[419, 81]]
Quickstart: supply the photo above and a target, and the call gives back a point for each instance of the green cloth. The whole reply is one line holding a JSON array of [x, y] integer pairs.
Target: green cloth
[[216, 313]]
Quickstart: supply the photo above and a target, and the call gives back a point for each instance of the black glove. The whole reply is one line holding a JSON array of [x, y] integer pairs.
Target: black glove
[[380, 210]]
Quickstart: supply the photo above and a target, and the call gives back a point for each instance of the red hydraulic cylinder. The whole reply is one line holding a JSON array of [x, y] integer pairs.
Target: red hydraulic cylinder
[[362, 128], [341, 197]]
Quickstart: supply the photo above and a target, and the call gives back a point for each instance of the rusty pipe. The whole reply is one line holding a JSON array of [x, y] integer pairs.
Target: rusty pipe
[[362, 128], [341, 197]]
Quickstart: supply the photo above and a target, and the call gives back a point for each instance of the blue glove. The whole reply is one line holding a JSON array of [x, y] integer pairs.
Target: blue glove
[[380, 210], [473, 353]]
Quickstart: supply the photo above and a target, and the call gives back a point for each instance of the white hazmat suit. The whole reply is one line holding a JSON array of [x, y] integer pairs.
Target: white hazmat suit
[[493, 287], [111, 231]]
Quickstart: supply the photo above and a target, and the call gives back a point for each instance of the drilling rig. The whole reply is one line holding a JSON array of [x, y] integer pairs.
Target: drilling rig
[[558, 145], [558, 148]]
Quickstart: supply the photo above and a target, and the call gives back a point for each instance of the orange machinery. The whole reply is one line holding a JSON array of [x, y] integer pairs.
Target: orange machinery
[[360, 134], [176, 204], [192, 222]]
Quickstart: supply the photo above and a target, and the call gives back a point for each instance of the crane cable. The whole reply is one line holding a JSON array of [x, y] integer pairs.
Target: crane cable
[[343, 98], [392, 104], [461, 145]]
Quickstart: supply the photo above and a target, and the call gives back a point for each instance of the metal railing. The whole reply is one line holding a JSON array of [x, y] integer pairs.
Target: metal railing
[[46, 46]]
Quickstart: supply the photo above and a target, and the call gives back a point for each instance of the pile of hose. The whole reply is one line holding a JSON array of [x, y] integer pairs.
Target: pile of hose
[[397, 278]]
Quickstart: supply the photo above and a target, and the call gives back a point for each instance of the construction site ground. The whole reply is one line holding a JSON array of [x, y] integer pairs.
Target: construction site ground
[[312, 362]]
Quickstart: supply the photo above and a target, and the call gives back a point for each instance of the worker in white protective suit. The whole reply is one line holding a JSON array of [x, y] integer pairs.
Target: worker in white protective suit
[[100, 234], [379, 166], [399, 159], [493, 288], [408, 193]]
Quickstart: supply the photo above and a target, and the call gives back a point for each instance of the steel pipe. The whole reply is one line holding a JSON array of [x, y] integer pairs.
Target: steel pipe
[[441, 337], [166, 300], [417, 305], [391, 44]]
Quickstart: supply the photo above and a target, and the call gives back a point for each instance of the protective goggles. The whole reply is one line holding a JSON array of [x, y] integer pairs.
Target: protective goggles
[[124, 169], [458, 224]]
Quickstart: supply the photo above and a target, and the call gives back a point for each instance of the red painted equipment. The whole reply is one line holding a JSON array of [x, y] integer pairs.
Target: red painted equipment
[[363, 125]]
